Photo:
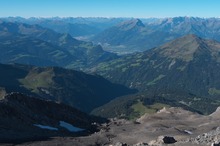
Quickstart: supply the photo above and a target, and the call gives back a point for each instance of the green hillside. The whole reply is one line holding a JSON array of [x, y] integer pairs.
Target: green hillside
[[34, 45], [190, 63], [77, 89], [134, 106]]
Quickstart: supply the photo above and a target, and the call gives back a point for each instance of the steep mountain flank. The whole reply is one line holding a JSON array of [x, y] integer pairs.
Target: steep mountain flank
[[188, 63], [77, 89], [34, 45], [25, 118]]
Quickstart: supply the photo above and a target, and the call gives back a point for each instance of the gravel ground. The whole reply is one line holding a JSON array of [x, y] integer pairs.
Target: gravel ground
[[186, 127]]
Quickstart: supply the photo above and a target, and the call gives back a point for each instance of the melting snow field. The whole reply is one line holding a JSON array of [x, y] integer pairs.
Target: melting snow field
[[46, 127], [63, 124], [70, 127], [187, 131]]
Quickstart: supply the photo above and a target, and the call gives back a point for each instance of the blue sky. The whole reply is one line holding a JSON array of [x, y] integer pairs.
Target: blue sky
[[110, 8]]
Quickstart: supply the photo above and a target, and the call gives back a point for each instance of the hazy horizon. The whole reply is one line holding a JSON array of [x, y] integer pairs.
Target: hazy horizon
[[110, 9], [51, 17]]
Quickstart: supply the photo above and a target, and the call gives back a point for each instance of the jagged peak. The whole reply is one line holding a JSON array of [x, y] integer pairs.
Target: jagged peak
[[138, 22], [67, 36], [186, 18], [131, 24]]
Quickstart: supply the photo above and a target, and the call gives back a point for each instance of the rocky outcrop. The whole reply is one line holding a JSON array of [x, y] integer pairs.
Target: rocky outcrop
[[119, 144], [215, 114], [211, 138], [169, 140], [141, 144], [125, 144], [215, 144], [162, 140]]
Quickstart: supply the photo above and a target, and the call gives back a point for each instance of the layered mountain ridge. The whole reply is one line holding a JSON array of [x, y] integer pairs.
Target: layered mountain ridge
[[76, 27], [156, 32], [132, 24], [34, 45], [188, 63], [70, 87]]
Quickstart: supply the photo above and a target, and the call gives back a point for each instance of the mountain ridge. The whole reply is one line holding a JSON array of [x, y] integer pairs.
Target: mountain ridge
[[70, 87], [158, 32], [132, 24], [184, 47], [61, 49], [185, 63]]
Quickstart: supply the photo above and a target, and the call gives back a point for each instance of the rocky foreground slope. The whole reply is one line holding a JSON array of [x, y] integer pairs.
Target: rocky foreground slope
[[25, 118], [172, 126]]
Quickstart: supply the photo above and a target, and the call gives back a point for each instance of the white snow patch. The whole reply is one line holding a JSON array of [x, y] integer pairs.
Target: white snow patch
[[172, 63], [187, 131], [70, 127], [131, 85], [46, 127], [203, 124]]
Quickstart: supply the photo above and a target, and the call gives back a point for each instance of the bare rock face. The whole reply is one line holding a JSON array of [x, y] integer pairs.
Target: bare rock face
[[169, 140], [216, 114], [141, 144], [120, 144], [162, 140], [210, 138], [215, 144], [125, 144]]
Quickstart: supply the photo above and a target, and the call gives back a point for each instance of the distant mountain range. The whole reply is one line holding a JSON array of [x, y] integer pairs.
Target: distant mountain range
[[130, 36], [76, 27], [34, 45], [127, 35]]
